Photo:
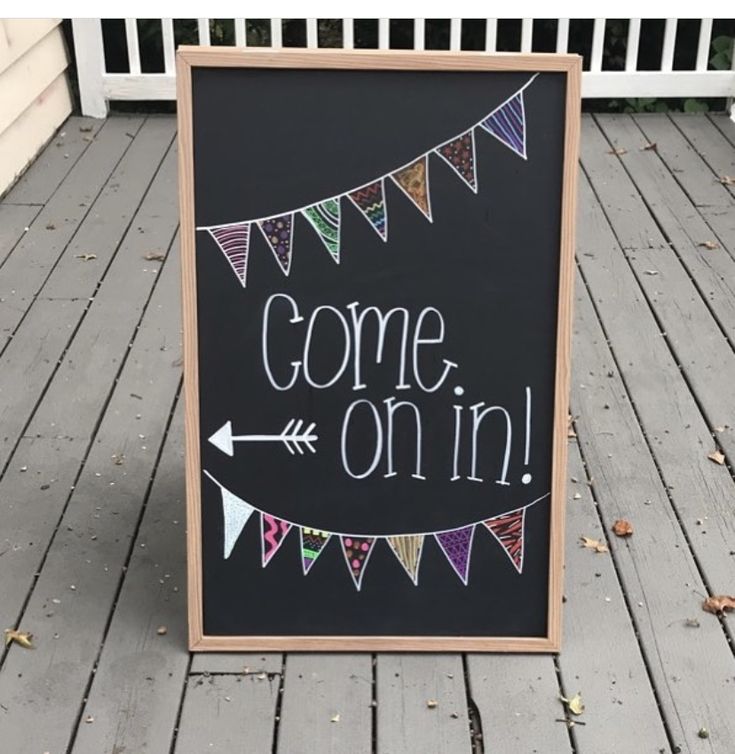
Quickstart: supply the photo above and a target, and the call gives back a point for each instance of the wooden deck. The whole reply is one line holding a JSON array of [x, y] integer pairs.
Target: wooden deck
[[92, 537]]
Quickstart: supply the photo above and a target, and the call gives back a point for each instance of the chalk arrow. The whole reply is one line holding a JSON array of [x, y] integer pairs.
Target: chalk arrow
[[292, 437]]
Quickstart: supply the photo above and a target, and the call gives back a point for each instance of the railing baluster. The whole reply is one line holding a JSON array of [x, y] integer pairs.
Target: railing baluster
[[241, 33], [203, 29], [419, 34], [131, 38], [631, 49], [276, 33], [455, 34], [705, 39], [383, 33], [491, 35], [169, 52], [312, 33], [667, 53], [598, 38], [526, 34], [562, 35], [348, 33]]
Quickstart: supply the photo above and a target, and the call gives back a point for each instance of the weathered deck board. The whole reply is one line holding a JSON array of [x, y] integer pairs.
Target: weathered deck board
[[421, 704], [51, 167], [626, 642], [338, 715], [85, 561], [601, 657], [657, 569], [137, 687], [25, 271], [230, 713], [517, 699]]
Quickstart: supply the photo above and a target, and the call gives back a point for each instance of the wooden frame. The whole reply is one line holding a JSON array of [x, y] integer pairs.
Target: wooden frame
[[571, 65]]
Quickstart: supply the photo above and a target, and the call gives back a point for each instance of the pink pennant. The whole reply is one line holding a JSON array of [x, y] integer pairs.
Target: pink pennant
[[357, 551], [456, 545], [508, 529], [233, 241], [272, 533]]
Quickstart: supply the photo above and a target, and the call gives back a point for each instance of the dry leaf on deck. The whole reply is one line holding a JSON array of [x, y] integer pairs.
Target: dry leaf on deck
[[718, 604], [709, 244], [85, 129], [431, 703], [19, 637], [334, 718], [154, 256], [593, 544], [650, 272], [86, 257], [575, 705], [717, 457], [622, 528], [651, 145], [727, 180], [618, 151], [570, 427]]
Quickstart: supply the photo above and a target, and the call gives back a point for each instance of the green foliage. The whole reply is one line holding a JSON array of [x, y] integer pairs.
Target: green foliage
[[723, 47], [645, 105]]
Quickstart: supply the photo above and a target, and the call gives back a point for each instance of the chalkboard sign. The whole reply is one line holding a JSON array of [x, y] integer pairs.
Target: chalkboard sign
[[377, 264]]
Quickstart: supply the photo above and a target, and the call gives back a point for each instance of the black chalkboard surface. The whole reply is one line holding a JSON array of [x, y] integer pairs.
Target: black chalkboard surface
[[377, 261]]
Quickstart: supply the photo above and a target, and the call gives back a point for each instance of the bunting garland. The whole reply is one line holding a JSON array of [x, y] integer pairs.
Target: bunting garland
[[506, 123], [508, 529]]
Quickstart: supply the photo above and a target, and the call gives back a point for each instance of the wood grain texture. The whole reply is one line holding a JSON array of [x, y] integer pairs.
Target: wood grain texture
[[326, 704], [423, 705], [188, 57], [14, 219]]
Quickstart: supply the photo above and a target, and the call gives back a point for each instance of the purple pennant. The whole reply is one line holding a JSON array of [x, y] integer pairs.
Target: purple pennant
[[233, 242], [456, 545], [508, 124], [278, 232]]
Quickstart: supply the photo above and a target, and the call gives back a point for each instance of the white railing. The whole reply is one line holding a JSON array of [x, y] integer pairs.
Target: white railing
[[97, 87]]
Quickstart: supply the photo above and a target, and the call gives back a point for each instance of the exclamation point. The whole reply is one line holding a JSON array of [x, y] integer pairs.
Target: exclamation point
[[526, 478]]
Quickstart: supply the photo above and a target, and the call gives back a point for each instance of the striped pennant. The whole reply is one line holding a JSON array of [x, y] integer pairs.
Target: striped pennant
[[325, 219], [508, 124], [408, 549], [370, 200], [313, 542], [272, 533], [508, 529], [233, 242]]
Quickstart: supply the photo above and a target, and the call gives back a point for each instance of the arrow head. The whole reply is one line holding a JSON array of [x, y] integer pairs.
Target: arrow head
[[222, 439]]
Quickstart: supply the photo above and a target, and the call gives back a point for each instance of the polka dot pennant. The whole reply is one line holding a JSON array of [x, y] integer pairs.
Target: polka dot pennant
[[278, 232], [357, 551], [459, 154]]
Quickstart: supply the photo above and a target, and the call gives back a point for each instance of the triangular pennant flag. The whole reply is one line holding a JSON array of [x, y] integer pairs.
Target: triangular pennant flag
[[357, 551], [272, 533], [508, 529], [370, 200], [325, 219], [413, 180], [278, 232], [457, 545], [459, 154], [233, 241], [408, 549], [236, 513], [507, 123], [313, 541]]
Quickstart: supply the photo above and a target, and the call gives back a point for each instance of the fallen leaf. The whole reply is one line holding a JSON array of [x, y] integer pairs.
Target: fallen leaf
[[709, 244], [86, 129], [50, 226], [727, 180], [717, 457], [622, 528], [86, 257], [718, 604], [618, 151], [650, 272], [432, 703], [89, 719], [118, 460], [19, 637], [154, 256], [334, 718], [720, 429], [575, 705], [570, 427], [593, 544], [650, 145], [692, 623], [162, 630]]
